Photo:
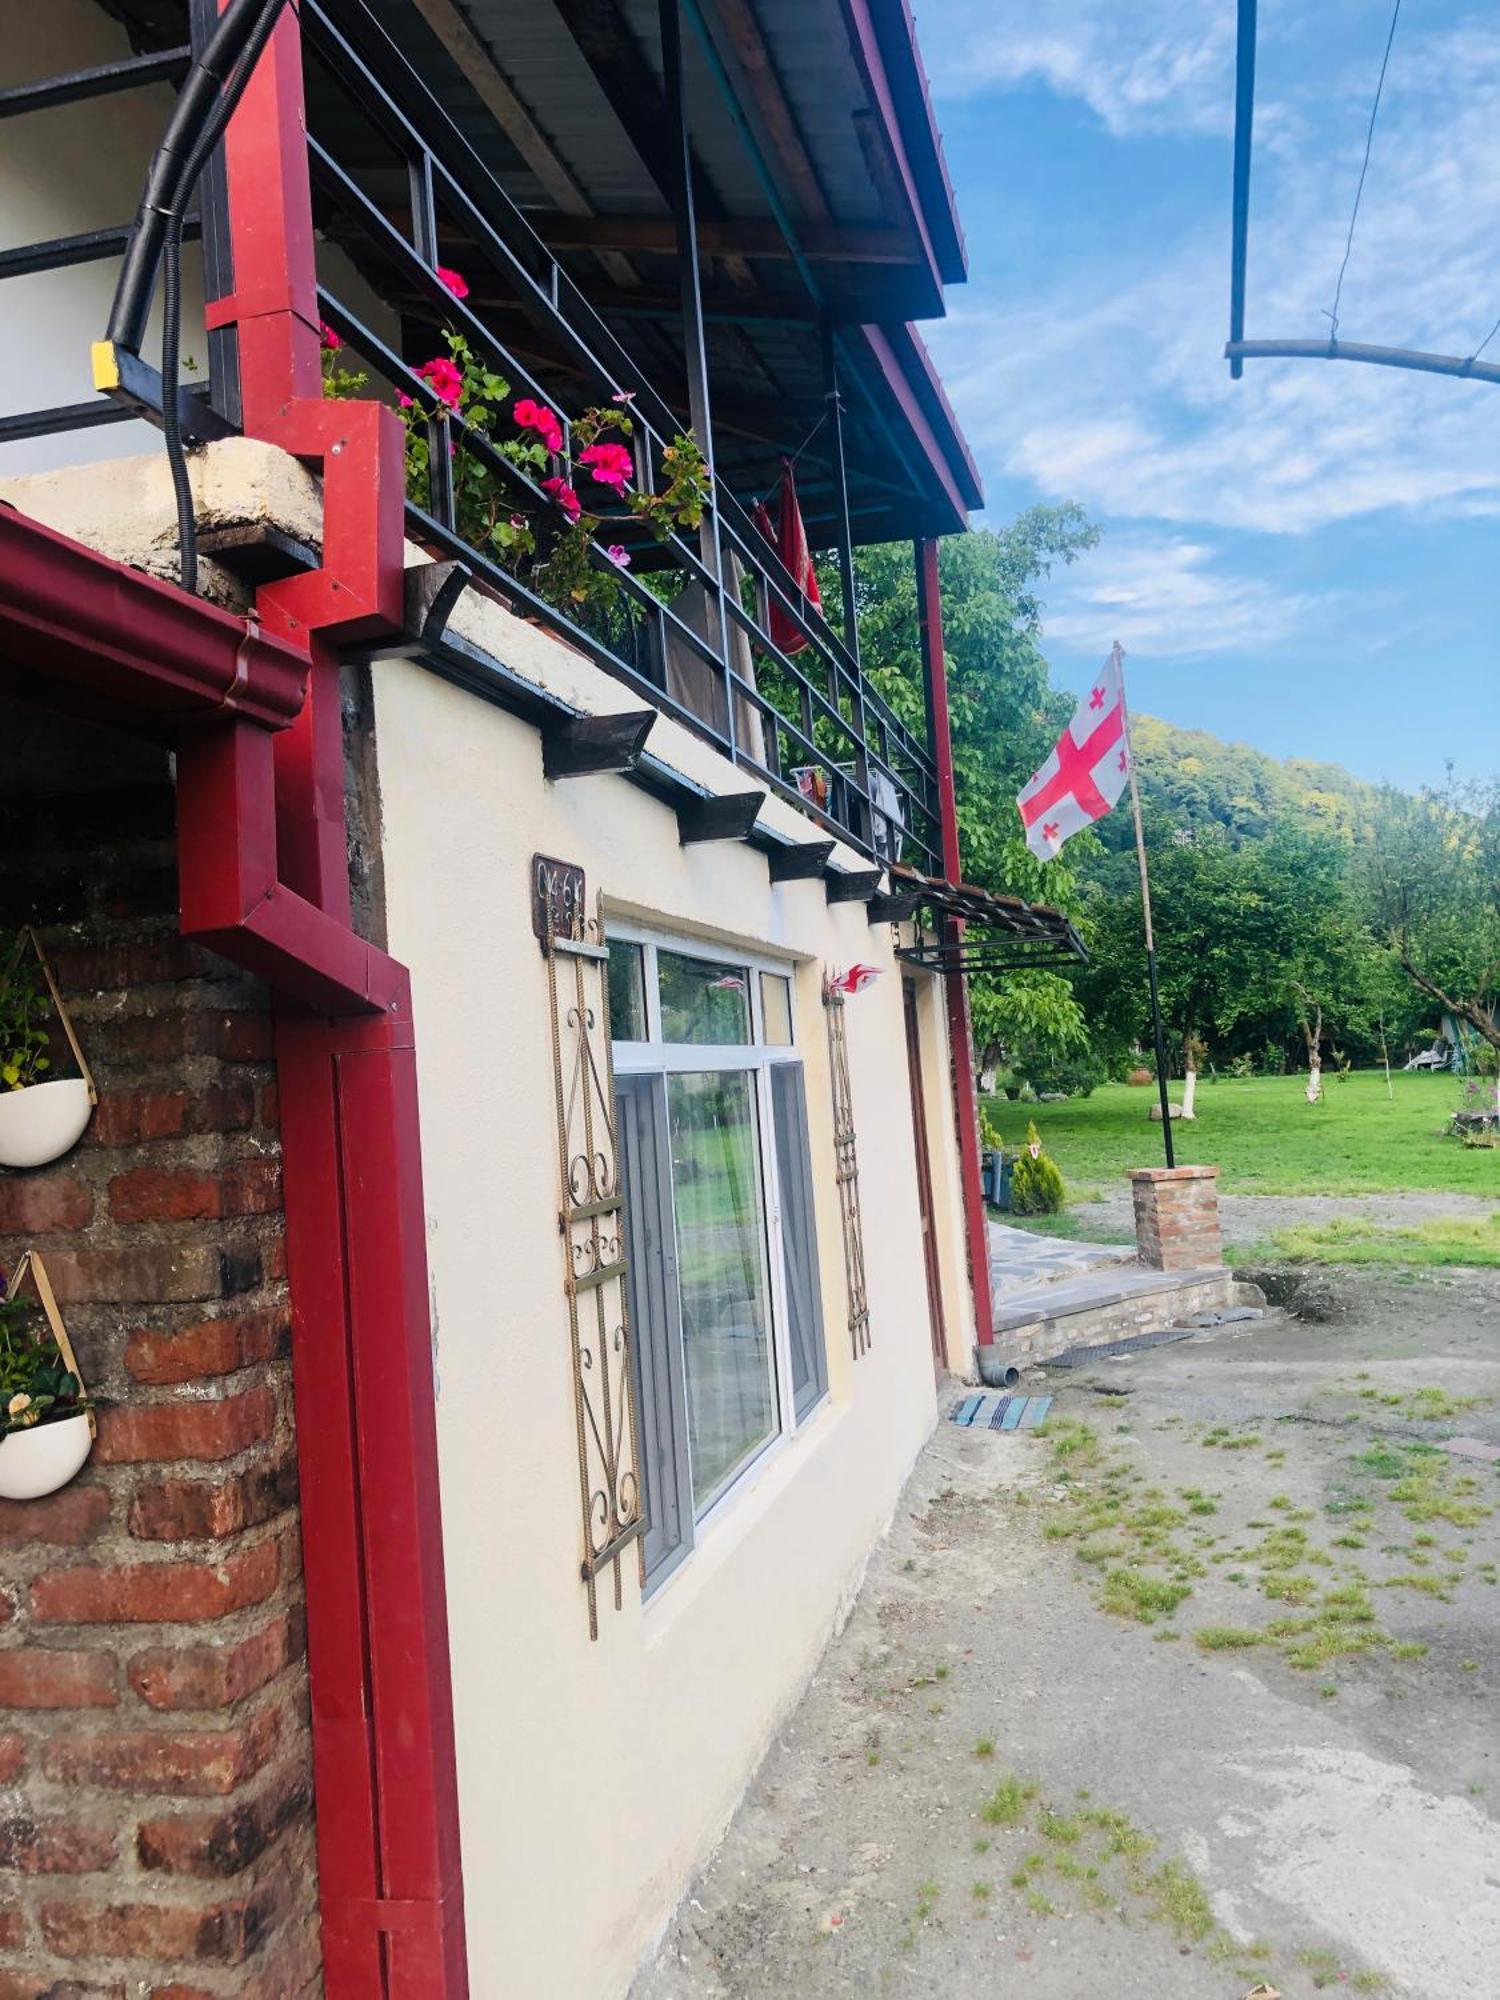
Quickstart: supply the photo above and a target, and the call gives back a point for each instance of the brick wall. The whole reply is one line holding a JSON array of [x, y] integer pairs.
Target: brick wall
[[1177, 1217], [155, 1790]]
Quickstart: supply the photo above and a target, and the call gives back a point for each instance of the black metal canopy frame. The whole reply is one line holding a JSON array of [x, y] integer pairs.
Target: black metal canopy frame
[[975, 931], [1238, 350]]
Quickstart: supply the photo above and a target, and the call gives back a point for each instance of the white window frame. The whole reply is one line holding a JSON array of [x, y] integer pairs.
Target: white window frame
[[655, 1057]]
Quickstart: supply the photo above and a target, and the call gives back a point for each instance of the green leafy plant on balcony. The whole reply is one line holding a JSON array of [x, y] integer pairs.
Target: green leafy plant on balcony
[[550, 547]]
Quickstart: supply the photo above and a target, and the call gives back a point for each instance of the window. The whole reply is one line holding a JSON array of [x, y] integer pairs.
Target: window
[[725, 1301]]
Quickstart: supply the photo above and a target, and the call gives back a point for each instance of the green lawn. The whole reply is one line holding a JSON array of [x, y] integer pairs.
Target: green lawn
[[1267, 1139]]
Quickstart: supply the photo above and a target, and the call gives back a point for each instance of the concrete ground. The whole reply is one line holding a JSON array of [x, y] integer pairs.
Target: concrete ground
[[996, 1786], [1249, 1218]]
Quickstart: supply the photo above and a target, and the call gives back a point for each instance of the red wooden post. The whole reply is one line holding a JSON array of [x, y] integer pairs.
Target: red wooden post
[[960, 1034]]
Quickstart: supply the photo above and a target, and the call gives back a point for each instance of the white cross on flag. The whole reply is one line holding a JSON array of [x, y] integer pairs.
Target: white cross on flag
[[1086, 773]]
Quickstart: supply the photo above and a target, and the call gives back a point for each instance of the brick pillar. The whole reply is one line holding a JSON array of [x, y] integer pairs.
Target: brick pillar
[[155, 1794], [1177, 1217]]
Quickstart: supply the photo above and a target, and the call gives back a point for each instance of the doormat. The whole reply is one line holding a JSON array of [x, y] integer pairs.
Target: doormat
[[1135, 1343], [1000, 1413]]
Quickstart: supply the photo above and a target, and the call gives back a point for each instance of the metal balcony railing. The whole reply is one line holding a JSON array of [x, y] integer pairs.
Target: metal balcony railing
[[692, 629]]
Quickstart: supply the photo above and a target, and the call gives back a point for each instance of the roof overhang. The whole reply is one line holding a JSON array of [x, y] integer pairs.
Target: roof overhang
[[974, 930]]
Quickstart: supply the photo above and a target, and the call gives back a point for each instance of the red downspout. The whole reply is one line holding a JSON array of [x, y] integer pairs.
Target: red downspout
[[960, 1033], [265, 880]]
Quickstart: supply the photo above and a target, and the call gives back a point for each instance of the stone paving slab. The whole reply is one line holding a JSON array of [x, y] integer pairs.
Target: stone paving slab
[[1019, 1259]]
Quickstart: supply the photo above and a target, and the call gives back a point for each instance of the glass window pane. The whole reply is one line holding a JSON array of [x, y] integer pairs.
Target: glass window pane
[[799, 1244], [731, 1404], [776, 1009], [627, 992], [702, 1001]]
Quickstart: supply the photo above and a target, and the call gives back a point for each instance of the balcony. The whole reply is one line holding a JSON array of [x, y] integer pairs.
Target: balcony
[[556, 153]]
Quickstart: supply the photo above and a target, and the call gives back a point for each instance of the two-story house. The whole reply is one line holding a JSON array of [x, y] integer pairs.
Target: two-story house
[[534, 1184]]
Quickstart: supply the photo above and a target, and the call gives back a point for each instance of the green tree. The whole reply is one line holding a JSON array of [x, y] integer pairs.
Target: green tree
[[1005, 717], [1431, 877]]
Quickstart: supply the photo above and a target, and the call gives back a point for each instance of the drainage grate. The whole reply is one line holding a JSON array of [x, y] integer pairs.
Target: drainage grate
[[1080, 1357], [1000, 1413]]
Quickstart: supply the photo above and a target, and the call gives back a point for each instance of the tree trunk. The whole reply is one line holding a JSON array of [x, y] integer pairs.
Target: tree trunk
[[1312, 1034], [1189, 1087], [1471, 1011]]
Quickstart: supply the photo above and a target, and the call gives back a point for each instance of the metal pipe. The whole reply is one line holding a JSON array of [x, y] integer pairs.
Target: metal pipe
[[190, 114], [1244, 115], [1467, 369]]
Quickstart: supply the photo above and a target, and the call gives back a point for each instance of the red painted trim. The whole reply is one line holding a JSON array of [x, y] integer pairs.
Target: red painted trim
[[70, 613], [865, 44], [264, 858], [960, 1034], [899, 383], [896, 29]]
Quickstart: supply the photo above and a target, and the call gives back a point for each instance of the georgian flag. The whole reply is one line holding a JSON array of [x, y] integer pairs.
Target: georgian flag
[[1087, 771]]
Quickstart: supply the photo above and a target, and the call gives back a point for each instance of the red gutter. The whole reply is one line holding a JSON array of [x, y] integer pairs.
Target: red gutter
[[122, 636], [960, 1032]]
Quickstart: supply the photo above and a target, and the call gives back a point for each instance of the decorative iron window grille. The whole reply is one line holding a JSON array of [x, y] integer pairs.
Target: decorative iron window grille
[[846, 1162], [590, 1220]]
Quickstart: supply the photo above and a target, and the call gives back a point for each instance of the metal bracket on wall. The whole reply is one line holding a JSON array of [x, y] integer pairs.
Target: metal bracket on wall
[[590, 1220], [847, 1171]]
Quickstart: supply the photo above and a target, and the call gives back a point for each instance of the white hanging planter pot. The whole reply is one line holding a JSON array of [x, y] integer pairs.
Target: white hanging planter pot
[[41, 1122], [45, 1456], [39, 1461]]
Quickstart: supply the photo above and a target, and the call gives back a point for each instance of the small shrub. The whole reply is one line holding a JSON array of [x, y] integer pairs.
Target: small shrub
[[1036, 1186]]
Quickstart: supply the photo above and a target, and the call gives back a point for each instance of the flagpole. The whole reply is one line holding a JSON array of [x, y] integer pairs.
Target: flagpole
[[1140, 855]]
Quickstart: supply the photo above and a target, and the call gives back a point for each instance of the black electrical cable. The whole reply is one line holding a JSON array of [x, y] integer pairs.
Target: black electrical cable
[[171, 330], [1338, 290]]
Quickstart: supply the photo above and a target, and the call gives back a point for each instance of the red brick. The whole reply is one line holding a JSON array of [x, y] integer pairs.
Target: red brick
[[140, 960], [156, 1593], [133, 1117], [242, 1036], [12, 1936], [35, 1205], [151, 1194], [65, 1519], [176, 1677], [54, 1847], [196, 1764], [223, 1935], [270, 1108], [137, 1273], [12, 1757], [41, 1677], [141, 1039], [215, 1846], [251, 1187], [188, 1510], [210, 1347], [211, 1430]]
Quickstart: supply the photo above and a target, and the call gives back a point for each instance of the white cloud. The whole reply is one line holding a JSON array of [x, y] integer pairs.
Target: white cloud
[[1108, 385], [1149, 66], [1167, 597]]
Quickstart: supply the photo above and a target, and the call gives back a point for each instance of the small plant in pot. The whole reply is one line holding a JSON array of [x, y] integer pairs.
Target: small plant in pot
[[41, 1115], [46, 1421]]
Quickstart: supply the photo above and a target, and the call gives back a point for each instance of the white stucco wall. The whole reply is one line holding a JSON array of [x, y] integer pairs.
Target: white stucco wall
[[594, 1777], [62, 171]]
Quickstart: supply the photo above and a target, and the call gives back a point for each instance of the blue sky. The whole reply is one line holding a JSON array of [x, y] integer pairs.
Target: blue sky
[[1306, 559]]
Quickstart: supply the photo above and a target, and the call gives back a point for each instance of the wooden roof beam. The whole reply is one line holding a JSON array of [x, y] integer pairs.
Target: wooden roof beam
[[480, 70]]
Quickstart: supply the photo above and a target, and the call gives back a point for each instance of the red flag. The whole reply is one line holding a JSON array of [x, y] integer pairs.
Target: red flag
[[790, 542]]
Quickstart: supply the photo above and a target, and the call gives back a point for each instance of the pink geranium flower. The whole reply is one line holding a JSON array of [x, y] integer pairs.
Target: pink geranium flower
[[444, 379], [404, 401], [328, 337], [565, 497], [610, 464], [623, 396], [456, 283], [537, 417], [619, 555]]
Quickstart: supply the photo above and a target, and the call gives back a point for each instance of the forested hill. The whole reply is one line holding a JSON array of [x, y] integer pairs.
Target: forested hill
[[1195, 781]]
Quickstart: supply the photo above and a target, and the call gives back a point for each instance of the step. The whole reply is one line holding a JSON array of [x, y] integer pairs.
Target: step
[[1020, 1259], [1100, 1307]]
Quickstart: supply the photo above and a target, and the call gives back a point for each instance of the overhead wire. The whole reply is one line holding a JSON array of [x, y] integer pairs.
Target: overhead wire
[[1338, 290]]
